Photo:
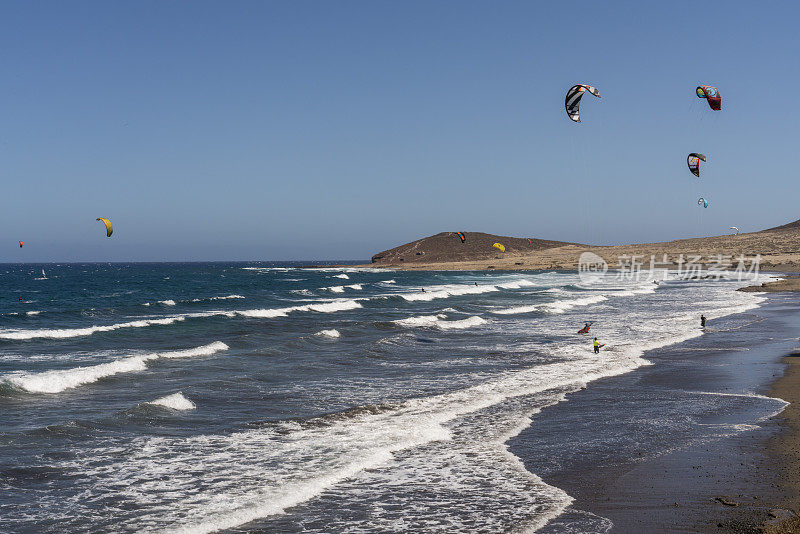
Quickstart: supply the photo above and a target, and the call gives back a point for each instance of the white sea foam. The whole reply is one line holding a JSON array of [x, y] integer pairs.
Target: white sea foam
[[333, 333], [561, 306], [516, 284], [176, 401], [341, 289], [440, 322], [59, 380], [301, 292], [446, 291], [558, 306], [335, 289], [168, 302], [342, 276], [319, 307], [32, 312], [455, 290], [87, 331], [227, 297]]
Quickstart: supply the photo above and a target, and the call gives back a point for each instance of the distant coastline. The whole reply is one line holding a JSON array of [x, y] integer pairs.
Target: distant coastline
[[778, 250]]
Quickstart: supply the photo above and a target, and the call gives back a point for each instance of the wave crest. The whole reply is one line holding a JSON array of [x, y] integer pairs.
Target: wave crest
[[63, 379]]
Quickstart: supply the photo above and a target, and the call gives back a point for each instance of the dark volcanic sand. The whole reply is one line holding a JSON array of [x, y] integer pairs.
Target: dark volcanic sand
[[651, 454]]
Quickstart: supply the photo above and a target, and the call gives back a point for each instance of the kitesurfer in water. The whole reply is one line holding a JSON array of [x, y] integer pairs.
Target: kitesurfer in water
[[702, 321], [596, 345]]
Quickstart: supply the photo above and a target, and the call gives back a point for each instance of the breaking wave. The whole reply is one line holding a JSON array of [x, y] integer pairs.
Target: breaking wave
[[320, 307], [176, 401], [333, 333], [59, 380], [440, 322], [558, 306]]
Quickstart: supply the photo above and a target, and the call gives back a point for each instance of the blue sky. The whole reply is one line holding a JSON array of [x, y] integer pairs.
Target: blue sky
[[322, 130]]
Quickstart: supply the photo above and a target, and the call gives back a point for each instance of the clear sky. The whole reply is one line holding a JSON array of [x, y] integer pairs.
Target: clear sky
[[333, 130]]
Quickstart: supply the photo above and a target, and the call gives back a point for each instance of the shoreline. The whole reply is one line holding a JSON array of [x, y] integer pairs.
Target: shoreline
[[742, 481]]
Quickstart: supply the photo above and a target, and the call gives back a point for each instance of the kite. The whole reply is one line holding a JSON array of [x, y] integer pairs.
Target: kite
[[573, 99], [20, 244], [500, 247], [712, 96], [702, 202], [734, 228], [693, 160], [461, 236], [109, 228]]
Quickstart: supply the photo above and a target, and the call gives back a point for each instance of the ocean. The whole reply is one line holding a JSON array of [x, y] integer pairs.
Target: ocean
[[273, 397]]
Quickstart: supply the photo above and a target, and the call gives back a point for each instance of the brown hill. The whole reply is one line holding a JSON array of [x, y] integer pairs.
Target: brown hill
[[447, 247], [778, 248]]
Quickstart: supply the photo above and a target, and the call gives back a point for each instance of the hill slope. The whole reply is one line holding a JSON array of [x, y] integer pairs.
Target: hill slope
[[778, 248], [447, 247]]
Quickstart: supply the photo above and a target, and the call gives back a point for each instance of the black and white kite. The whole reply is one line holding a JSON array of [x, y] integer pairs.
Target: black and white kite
[[573, 99]]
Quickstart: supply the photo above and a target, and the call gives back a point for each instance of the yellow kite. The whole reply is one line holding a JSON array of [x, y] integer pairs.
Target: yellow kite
[[109, 228], [500, 247]]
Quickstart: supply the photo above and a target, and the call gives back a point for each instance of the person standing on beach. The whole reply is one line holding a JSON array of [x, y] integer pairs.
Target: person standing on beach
[[596, 346], [702, 321]]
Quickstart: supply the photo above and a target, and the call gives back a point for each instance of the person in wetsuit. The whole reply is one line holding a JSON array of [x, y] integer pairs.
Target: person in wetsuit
[[596, 346], [702, 321]]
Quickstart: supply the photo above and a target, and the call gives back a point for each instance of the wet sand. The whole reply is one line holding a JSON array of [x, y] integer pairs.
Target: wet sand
[[790, 283], [786, 445], [687, 444]]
